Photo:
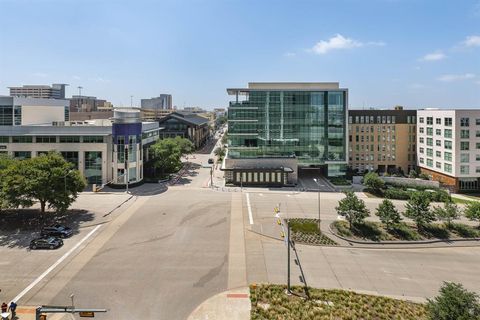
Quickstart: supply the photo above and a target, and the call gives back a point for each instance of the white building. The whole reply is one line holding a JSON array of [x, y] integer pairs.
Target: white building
[[448, 147]]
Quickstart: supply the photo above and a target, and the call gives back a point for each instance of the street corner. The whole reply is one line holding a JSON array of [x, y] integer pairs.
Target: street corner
[[232, 304]]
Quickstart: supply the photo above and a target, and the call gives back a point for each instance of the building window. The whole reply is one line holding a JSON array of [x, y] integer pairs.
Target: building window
[[422, 150], [438, 154], [448, 122], [438, 120], [22, 155], [477, 122], [421, 129], [464, 134], [438, 143], [430, 131], [420, 159], [429, 152], [93, 139], [429, 142], [72, 157], [45, 139], [448, 133], [465, 157], [350, 119], [447, 167], [421, 140], [6, 115], [477, 134], [93, 166], [429, 120], [438, 165], [17, 118], [67, 113], [464, 145], [429, 162], [420, 120], [477, 145], [4, 139], [21, 139], [447, 156], [477, 169], [438, 132], [464, 122], [464, 169], [448, 144], [69, 139]]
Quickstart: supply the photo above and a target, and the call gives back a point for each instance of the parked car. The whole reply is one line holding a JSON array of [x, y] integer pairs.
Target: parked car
[[210, 161], [57, 230], [46, 243]]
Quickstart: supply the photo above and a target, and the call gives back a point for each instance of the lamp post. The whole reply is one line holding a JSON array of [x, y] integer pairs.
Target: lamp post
[[126, 166], [317, 181]]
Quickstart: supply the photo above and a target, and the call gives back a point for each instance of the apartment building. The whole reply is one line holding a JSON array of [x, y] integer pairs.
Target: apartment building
[[163, 102], [55, 91], [449, 147], [382, 140]]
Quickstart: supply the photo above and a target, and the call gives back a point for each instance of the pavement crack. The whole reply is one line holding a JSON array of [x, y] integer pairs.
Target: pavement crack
[[221, 221], [152, 239], [210, 274]]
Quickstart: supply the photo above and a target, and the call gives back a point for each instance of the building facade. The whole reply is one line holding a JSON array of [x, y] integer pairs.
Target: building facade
[[164, 102], [382, 140], [185, 125], [55, 91], [18, 111], [449, 147], [302, 123]]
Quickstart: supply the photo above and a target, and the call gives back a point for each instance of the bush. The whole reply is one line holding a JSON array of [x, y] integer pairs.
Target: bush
[[342, 228], [397, 193], [454, 302], [373, 182], [307, 226], [367, 230], [339, 181], [435, 231], [463, 230], [404, 232]]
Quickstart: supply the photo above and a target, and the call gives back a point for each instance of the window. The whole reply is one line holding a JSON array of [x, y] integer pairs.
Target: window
[[46, 139], [21, 139], [71, 156], [429, 162], [17, 115], [464, 134], [4, 139], [448, 144], [477, 122], [438, 143], [448, 133], [438, 132], [420, 119], [69, 139], [438, 120], [477, 157], [447, 167], [421, 130], [464, 122], [477, 169], [430, 152], [421, 140], [93, 166], [430, 131], [464, 145], [429, 142], [448, 122], [421, 160], [429, 120], [438, 165], [447, 156], [477, 145], [477, 134], [6, 115], [22, 155], [350, 119], [93, 139], [67, 113], [438, 154], [422, 150], [465, 157], [464, 169]]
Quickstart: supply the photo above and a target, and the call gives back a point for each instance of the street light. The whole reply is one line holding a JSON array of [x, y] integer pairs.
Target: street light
[[317, 181]]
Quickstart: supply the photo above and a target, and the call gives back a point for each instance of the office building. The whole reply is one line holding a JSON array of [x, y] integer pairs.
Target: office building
[[89, 108], [382, 140], [96, 148], [186, 125], [16, 111], [55, 91], [274, 128], [164, 102], [449, 147]]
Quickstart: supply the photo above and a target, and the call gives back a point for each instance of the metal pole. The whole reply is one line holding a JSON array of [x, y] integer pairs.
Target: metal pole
[[319, 221], [211, 177], [126, 166], [288, 258]]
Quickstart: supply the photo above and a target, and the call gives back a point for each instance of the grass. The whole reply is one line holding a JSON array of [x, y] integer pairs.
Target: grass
[[269, 301], [306, 231], [375, 231], [461, 201]]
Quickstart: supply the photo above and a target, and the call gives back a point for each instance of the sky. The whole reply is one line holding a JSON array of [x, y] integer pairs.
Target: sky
[[415, 53]]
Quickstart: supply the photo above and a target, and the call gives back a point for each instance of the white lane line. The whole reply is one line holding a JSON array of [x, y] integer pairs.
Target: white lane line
[[250, 216], [53, 266]]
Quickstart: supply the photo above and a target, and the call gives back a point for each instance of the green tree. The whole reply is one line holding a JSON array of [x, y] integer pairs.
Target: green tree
[[454, 303], [219, 152], [186, 146], [166, 155], [225, 138], [388, 214], [373, 182], [472, 211], [448, 213], [352, 208], [48, 179], [418, 209]]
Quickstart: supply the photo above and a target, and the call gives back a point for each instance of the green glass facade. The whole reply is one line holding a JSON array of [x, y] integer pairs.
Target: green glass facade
[[308, 125]]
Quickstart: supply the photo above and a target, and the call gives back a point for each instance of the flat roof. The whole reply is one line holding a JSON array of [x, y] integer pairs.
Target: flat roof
[[286, 86]]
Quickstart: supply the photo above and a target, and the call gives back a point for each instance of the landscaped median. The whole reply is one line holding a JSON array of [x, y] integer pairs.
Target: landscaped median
[[306, 231]]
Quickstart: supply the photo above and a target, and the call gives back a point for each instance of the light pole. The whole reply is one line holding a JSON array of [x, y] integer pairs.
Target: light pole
[[126, 166], [317, 181]]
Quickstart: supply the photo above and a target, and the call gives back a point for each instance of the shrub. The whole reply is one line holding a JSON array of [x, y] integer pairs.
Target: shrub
[[403, 231], [339, 181], [367, 230], [463, 230], [388, 214], [397, 193], [454, 303], [448, 213], [472, 211], [373, 182]]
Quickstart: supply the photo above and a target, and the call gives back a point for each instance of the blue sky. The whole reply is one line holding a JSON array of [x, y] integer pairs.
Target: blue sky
[[416, 53]]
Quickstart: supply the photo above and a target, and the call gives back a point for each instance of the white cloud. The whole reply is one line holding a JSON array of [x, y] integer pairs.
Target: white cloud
[[456, 77], [434, 56], [472, 41], [335, 43]]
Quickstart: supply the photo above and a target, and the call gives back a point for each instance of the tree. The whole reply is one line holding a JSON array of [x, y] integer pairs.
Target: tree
[[472, 211], [166, 155], [373, 182], [219, 152], [388, 213], [454, 303], [418, 209], [448, 213], [186, 146], [352, 208], [413, 174], [48, 179], [225, 138]]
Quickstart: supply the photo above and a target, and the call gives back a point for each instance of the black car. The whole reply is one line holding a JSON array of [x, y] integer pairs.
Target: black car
[[46, 243], [56, 231], [210, 161]]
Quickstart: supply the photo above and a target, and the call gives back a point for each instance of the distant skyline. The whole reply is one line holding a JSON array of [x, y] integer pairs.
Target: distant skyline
[[415, 53]]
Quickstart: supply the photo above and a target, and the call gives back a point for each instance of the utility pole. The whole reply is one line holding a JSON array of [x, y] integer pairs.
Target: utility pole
[[126, 165], [131, 101]]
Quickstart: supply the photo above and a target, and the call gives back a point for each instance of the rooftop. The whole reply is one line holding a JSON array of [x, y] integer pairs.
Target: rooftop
[[281, 86]]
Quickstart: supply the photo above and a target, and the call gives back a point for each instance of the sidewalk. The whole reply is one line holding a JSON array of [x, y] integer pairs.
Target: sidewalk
[[233, 305]]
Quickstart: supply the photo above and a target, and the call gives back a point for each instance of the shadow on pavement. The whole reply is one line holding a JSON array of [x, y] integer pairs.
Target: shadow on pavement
[[208, 147], [20, 226]]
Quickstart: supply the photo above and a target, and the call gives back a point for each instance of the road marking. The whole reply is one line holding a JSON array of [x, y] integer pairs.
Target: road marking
[[53, 266], [250, 216]]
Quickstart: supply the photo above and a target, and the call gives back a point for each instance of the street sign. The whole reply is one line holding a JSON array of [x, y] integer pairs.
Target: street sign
[[86, 314]]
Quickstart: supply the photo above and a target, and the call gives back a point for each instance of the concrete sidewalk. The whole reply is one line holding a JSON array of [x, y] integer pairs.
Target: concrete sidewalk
[[232, 305]]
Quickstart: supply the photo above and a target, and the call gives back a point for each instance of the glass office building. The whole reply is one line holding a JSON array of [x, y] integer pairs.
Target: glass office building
[[305, 121]]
